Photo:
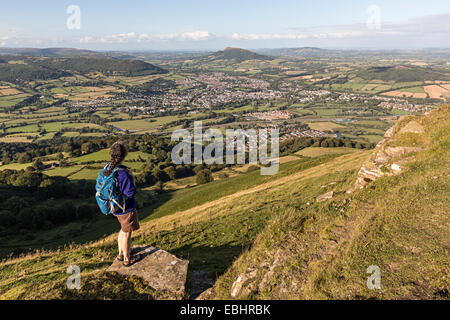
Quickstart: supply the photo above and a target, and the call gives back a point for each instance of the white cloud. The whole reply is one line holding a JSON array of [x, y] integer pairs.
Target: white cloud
[[427, 27], [295, 36], [196, 35], [87, 39], [274, 36], [143, 37]]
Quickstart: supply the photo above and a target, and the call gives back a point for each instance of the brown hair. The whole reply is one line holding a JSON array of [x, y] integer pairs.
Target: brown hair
[[117, 153]]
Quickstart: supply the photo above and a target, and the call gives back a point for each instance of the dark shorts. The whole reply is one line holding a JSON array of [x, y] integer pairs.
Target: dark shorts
[[129, 221]]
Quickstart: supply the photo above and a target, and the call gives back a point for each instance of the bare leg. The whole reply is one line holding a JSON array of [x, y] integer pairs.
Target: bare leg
[[119, 242], [126, 245]]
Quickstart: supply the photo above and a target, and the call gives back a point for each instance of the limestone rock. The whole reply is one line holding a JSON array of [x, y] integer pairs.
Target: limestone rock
[[243, 284], [161, 270], [325, 196], [389, 132], [413, 127], [207, 294], [381, 162], [394, 152], [396, 168], [279, 258]]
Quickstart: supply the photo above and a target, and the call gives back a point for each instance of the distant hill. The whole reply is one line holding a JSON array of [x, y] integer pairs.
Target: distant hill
[[104, 65], [313, 52], [403, 74], [38, 68], [305, 52], [49, 52], [237, 55], [28, 72]]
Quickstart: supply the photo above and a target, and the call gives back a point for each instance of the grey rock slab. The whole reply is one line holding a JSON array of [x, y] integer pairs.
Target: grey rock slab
[[161, 270]]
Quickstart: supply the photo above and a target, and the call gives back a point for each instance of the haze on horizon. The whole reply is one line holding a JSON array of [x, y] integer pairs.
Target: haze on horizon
[[211, 25]]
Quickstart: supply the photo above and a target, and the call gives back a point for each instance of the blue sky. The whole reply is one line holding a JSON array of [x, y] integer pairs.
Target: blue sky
[[210, 25]]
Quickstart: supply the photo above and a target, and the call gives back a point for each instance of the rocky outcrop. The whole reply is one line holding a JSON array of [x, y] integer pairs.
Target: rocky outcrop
[[244, 284], [387, 160], [161, 270], [258, 277], [325, 196], [413, 127]]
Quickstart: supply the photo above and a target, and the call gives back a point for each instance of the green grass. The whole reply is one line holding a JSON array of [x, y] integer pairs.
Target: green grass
[[322, 250], [15, 166], [85, 174], [317, 151], [414, 90], [188, 198], [211, 244], [62, 171], [27, 128], [103, 155], [8, 101], [141, 124]]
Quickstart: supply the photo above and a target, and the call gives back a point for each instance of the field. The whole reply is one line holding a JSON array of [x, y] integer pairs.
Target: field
[[323, 126], [438, 91]]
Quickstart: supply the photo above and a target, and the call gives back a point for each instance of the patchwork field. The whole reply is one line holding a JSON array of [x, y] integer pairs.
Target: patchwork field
[[8, 91], [403, 94], [438, 91], [322, 126]]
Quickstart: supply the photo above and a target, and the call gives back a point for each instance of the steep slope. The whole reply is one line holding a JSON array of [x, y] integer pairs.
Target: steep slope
[[398, 222], [211, 234]]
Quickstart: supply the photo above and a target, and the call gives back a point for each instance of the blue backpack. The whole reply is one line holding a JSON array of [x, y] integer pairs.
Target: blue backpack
[[108, 195]]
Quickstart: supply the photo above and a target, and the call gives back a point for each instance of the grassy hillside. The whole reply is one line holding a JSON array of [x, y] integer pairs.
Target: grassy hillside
[[237, 55], [403, 74], [299, 248], [399, 223], [33, 68], [212, 229]]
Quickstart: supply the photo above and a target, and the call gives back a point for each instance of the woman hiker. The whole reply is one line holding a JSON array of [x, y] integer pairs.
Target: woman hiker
[[128, 220]]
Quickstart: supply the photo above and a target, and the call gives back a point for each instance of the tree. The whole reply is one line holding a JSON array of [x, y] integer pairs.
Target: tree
[[170, 171], [38, 165], [24, 158], [63, 163], [204, 176], [160, 175], [28, 179]]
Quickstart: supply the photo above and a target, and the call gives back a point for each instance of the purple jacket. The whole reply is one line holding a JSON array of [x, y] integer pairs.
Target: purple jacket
[[127, 188]]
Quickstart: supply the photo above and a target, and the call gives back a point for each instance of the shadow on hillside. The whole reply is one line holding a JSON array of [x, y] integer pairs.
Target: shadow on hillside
[[206, 264], [78, 231]]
